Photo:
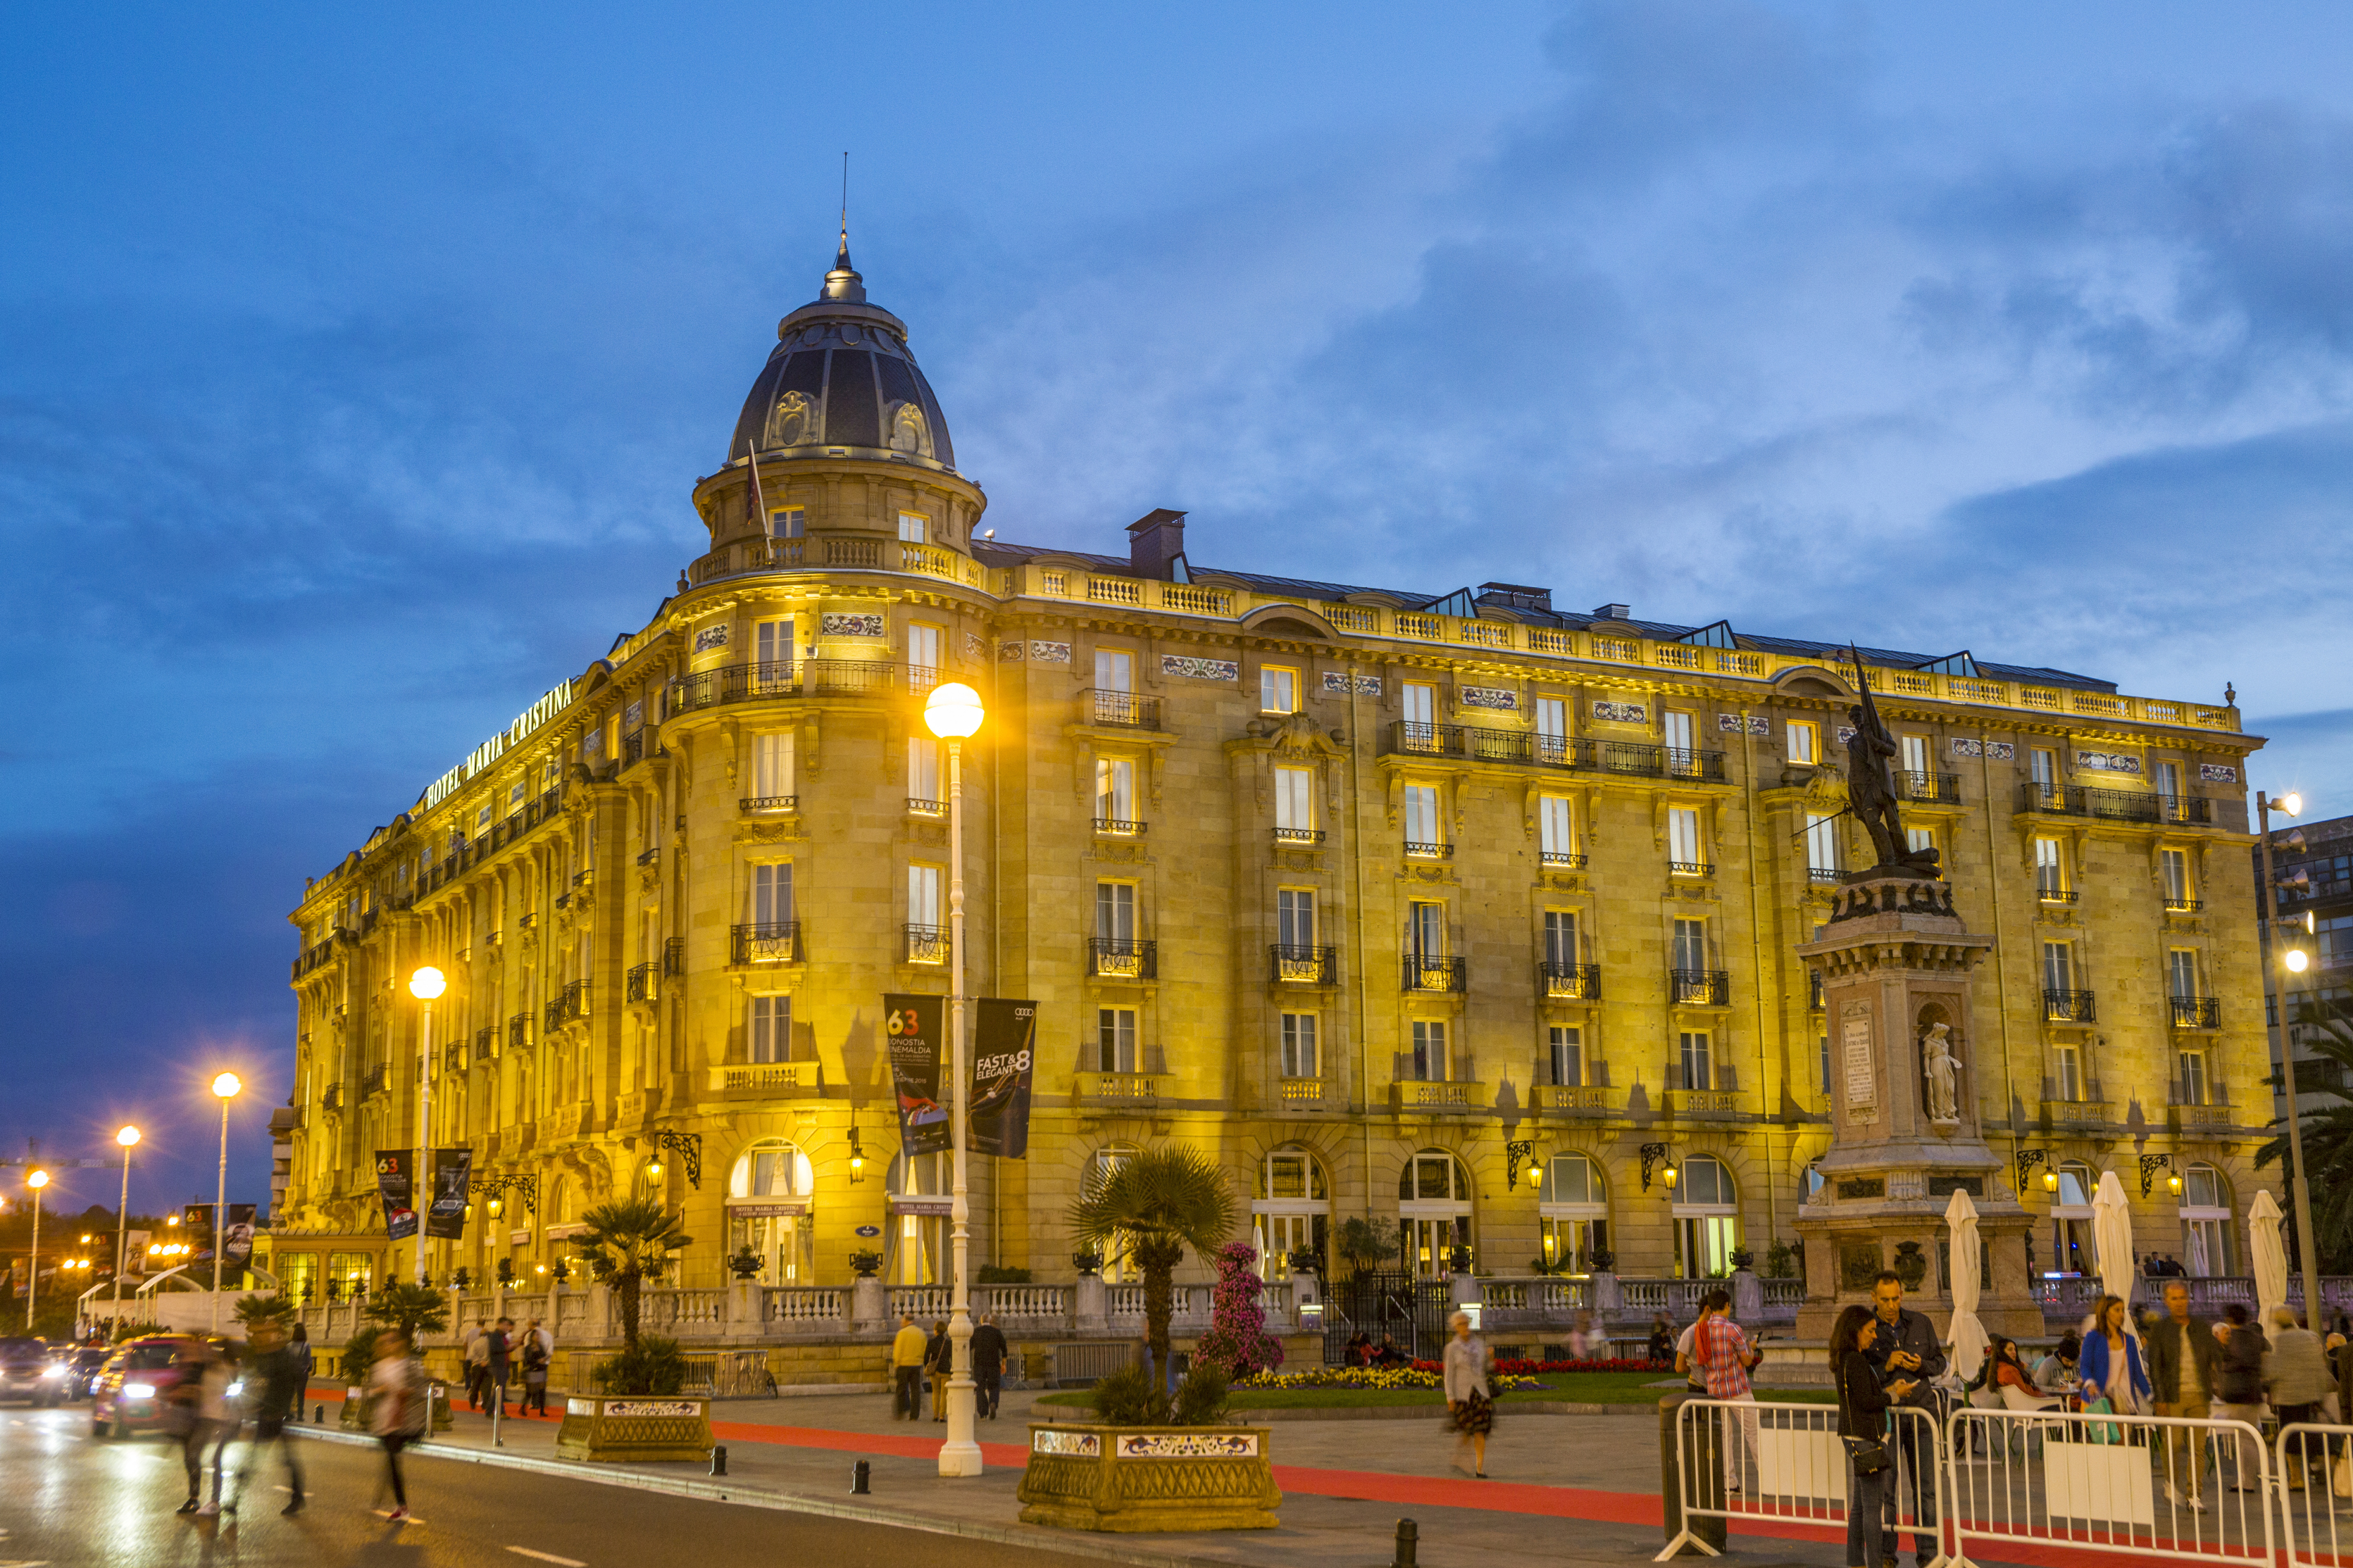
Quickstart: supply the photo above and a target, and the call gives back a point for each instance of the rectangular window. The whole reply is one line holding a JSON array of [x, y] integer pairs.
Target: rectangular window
[[1552, 729], [924, 895], [1295, 800], [2194, 1077], [1426, 930], [772, 645], [1115, 1039], [2182, 968], [1916, 839], [915, 528], [2175, 866], [2070, 1063], [1695, 1065], [2058, 966], [2049, 869], [1299, 1058], [1916, 754], [1422, 832], [1420, 700], [1294, 917], [2168, 780], [1556, 829], [1822, 846], [770, 1037], [771, 766], [1676, 726], [1805, 742], [1560, 939], [1115, 911], [1429, 1064], [1278, 690], [2042, 766], [1690, 945], [772, 894], [1116, 793], [1114, 670], [786, 522], [923, 775], [1567, 1047], [1682, 841], [924, 656]]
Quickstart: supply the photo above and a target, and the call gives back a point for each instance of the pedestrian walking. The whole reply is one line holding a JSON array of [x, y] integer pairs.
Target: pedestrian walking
[[184, 1418], [2239, 1391], [1580, 1337], [1469, 1408], [988, 1365], [907, 1357], [397, 1396], [535, 1373], [275, 1381], [218, 1419], [1723, 1357], [499, 1343], [1863, 1403], [299, 1349], [2296, 1373], [939, 1355], [2183, 1357], [477, 1363]]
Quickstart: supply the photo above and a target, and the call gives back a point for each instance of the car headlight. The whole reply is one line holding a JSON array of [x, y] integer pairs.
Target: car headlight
[[54, 1371], [237, 1389], [138, 1391]]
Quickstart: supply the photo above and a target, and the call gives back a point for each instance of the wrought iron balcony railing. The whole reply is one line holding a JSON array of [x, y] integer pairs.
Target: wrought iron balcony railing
[[2070, 1008], [518, 1030], [1690, 868], [1120, 709], [1481, 744], [2183, 906], [641, 985], [1429, 851], [1424, 972], [1563, 860], [1577, 982], [783, 678], [1700, 988], [569, 1005], [927, 944], [2113, 805], [2197, 1012], [768, 942], [2051, 894], [1117, 827], [1309, 836], [674, 957], [1296, 965], [1936, 789], [1123, 958], [769, 803]]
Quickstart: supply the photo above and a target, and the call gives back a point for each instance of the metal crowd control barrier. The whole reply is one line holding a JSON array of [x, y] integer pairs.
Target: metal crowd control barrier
[[2308, 1455], [1746, 1462], [2147, 1486]]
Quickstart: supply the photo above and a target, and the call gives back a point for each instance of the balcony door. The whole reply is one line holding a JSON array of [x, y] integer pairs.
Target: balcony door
[[772, 895], [1115, 911], [1294, 917], [1114, 670], [1560, 940], [1433, 1212], [772, 646]]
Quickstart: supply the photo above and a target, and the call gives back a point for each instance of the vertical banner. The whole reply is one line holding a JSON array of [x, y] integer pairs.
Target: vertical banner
[[135, 1243], [236, 1240], [914, 1029], [395, 1184], [1003, 1045], [444, 1216]]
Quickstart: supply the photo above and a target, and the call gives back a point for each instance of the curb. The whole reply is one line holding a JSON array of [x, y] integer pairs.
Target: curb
[[1074, 1544]]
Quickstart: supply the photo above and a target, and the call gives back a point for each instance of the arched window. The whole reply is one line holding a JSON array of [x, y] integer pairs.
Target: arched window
[[1291, 1211], [916, 1241], [2205, 1222], [2072, 1250], [1433, 1212], [1102, 1163], [1707, 1219], [770, 1189], [1574, 1208]]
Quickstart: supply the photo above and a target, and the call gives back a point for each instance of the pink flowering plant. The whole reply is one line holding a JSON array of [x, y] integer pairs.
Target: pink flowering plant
[[1238, 1343]]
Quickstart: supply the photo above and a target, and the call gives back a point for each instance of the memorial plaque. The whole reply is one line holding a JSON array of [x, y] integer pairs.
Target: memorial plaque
[[1858, 1265], [1863, 1187], [1861, 1079], [1946, 1187]]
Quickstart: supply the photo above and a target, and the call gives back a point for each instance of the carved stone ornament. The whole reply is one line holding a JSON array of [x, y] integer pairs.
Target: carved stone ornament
[[793, 422], [1940, 1069]]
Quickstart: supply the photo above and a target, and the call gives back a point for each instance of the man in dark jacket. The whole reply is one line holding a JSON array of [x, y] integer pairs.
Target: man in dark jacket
[[987, 1365], [1906, 1349], [275, 1383], [2184, 1361], [500, 1344]]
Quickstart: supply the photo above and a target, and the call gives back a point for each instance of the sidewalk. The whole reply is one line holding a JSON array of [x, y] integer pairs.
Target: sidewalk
[[1345, 1485]]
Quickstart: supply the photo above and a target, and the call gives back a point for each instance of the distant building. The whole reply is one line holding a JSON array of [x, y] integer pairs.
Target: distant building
[[1438, 908], [2318, 882]]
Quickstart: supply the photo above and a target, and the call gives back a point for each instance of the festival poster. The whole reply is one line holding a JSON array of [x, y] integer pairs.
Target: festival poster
[[395, 1184], [444, 1216], [236, 1240], [914, 1030], [1004, 1046]]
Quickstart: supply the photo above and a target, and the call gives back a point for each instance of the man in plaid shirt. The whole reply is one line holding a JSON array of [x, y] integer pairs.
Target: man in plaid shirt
[[1722, 1353]]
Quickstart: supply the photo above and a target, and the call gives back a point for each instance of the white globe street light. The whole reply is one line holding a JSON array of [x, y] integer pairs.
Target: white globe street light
[[954, 713], [129, 1138], [225, 1085], [36, 1180], [425, 984]]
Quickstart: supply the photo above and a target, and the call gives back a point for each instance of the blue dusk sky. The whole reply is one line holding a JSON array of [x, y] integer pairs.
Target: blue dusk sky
[[355, 366]]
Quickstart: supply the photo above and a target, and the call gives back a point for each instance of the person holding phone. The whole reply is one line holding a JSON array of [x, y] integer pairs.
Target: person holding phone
[[1863, 1402]]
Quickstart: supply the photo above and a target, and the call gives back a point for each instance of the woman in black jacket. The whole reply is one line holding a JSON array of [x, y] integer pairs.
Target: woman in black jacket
[[2238, 1388], [1862, 1419]]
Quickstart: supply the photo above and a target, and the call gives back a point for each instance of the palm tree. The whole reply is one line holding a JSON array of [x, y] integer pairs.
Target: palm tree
[[1151, 1206], [414, 1309], [625, 1244], [2326, 1032]]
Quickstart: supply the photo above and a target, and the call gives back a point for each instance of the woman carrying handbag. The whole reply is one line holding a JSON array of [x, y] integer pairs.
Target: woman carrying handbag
[[1862, 1426], [2114, 1377]]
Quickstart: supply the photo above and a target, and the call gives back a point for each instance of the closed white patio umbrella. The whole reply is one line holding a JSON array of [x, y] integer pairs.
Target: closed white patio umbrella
[[2111, 1236], [2270, 1256], [1965, 1334]]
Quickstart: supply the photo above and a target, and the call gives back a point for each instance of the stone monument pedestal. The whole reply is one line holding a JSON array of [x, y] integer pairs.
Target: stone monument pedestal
[[1895, 962]]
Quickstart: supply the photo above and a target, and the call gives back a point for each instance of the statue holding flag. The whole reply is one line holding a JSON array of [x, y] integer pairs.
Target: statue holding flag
[[1871, 788]]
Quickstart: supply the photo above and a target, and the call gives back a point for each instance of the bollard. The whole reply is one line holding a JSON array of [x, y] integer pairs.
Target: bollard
[[857, 1481], [319, 1417], [1408, 1537], [718, 1458]]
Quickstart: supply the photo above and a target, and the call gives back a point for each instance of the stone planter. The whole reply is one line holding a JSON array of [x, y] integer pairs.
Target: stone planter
[[615, 1428], [1085, 1477]]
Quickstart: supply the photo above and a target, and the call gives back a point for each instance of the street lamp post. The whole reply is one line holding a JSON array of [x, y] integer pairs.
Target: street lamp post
[[128, 1137], [953, 713], [2293, 961], [225, 1086], [36, 1180], [424, 984]]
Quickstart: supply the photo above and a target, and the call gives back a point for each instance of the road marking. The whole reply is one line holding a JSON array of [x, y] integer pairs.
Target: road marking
[[380, 1513], [548, 1557]]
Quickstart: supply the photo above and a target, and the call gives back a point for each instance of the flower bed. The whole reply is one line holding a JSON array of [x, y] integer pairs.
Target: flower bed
[[1423, 1375], [1523, 1368]]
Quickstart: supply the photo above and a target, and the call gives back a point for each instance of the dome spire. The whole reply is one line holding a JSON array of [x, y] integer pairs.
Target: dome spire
[[843, 282]]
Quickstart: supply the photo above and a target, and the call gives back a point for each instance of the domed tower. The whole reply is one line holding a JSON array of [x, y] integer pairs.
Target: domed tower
[[853, 453]]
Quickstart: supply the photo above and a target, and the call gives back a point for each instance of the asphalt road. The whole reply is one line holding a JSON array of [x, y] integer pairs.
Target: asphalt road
[[68, 1501]]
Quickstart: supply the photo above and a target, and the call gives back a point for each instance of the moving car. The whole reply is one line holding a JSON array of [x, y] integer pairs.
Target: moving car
[[81, 1363], [131, 1392], [28, 1372]]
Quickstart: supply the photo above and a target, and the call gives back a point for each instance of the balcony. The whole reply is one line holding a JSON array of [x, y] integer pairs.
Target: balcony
[[674, 958], [375, 1080], [569, 1005], [486, 1042], [1123, 958], [1307, 838], [2197, 1012], [769, 1081], [783, 678], [1119, 709], [1304, 1094], [312, 957], [1477, 743], [2183, 906], [1117, 827], [1659, 761], [1561, 860], [767, 802], [1289, 964], [1690, 869], [1118, 1088], [2113, 805], [927, 944], [1928, 789], [2061, 1110], [519, 1031], [1575, 1099], [333, 1099], [1419, 851], [2069, 1007], [1452, 1097], [919, 807], [1423, 972], [2046, 893], [769, 942], [1820, 874], [643, 983], [1699, 987], [2198, 1106], [1570, 981]]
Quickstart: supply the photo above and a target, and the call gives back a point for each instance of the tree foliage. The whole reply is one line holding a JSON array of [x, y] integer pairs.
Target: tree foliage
[[1149, 1208], [2324, 1030], [625, 1244]]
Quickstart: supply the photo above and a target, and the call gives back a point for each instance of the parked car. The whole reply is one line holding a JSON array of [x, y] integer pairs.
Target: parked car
[[27, 1371], [131, 1392]]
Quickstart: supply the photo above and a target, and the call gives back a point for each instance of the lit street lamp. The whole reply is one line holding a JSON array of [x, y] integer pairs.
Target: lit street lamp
[[2295, 959], [128, 1137], [424, 984], [36, 1180], [954, 713], [224, 1087]]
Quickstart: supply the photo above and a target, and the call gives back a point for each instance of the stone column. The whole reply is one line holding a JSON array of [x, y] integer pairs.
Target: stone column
[[1091, 1306], [870, 1305]]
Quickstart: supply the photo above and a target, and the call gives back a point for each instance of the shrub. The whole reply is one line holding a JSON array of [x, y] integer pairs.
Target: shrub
[[652, 1366], [1131, 1396], [1238, 1342], [1201, 1397], [998, 1274]]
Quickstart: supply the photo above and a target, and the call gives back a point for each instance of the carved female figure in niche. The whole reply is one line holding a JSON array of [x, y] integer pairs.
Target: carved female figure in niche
[[1941, 1069]]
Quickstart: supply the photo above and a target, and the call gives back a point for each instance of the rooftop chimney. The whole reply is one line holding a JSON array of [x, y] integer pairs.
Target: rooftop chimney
[[1613, 612], [1155, 545]]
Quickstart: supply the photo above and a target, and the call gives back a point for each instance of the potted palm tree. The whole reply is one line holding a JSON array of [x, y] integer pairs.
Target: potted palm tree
[[1146, 1461], [636, 1410], [414, 1310]]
